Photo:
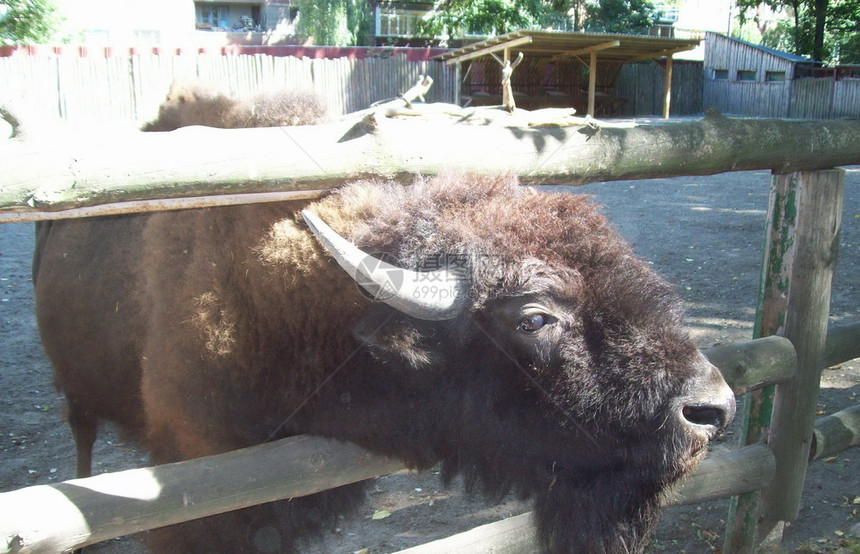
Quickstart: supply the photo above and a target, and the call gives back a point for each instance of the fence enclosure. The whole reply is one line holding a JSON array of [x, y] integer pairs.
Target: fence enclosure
[[130, 88], [74, 530], [820, 98]]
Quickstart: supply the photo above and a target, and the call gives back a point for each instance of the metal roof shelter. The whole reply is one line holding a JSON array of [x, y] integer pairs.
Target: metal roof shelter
[[558, 46]]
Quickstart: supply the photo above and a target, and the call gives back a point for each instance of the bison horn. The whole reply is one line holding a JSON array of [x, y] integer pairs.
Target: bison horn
[[431, 295]]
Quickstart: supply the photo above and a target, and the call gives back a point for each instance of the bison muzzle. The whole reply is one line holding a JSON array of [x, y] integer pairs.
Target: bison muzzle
[[509, 334]]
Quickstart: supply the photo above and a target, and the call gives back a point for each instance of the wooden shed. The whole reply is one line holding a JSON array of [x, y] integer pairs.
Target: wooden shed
[[560, 69], [746, 79]]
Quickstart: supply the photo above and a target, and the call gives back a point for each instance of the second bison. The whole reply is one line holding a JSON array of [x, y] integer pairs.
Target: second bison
[[194, 102], [507, 333]]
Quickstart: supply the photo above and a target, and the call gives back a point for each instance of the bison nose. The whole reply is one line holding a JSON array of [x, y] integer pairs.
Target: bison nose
[[709, 404], [708, 415]]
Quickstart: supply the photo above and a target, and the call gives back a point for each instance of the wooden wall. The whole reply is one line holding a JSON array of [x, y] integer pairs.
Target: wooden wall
[[754, 98], [820, 98], [803, 98], [130, 88], [642, 84]]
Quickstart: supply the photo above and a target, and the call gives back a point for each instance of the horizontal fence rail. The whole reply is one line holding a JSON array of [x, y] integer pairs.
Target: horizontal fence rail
[[194, 161], [746, 470], [49, 518], [79, 512]]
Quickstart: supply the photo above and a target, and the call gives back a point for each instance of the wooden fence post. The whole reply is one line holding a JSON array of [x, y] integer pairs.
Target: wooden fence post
[[816, 246], [770, 317], [667, 87]]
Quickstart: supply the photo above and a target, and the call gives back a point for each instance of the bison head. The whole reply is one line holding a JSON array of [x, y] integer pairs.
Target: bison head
[[558, 363]]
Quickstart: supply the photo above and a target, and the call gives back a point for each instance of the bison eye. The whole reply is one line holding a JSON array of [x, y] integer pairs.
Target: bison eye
[[533, 323]]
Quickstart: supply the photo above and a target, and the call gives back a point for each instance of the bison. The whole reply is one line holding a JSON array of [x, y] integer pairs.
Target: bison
[[507, 333], [194, 102]]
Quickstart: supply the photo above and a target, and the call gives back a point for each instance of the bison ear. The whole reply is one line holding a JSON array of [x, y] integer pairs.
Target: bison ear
[[393, 337]]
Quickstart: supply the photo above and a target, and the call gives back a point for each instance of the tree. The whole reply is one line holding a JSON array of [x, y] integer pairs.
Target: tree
[[620, 16], [27, 21], [842, 33], [334, 22], [826, 30], [452, 18]]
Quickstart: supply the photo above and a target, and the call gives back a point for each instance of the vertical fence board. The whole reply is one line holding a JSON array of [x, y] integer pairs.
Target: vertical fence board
[[771, 308], [816, 246]]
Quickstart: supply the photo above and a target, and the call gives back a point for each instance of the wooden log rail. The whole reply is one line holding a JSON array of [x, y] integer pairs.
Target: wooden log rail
[[46, 175], [50, 518], [745, 470]]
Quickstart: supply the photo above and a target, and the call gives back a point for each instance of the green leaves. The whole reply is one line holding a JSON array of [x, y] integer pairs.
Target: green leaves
[[455, 18], [27, 21], [825, 30], [334, 22]]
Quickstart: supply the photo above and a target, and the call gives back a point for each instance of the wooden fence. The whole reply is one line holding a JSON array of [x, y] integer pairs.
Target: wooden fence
[[643, 83], [821, 98], [803, 98], [56, 519], [130, 88]]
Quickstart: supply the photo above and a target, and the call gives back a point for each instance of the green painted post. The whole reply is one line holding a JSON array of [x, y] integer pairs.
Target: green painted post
[[794, 402], [770, 318]]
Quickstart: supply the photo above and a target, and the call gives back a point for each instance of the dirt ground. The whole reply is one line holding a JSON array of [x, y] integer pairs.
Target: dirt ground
[[703, 233]]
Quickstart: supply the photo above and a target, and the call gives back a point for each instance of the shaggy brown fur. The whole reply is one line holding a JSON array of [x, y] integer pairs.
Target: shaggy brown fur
[[191, 102], [209, 330]]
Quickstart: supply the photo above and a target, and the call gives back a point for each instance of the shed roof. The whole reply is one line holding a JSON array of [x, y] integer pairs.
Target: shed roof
[[559, 44], [794, 58]]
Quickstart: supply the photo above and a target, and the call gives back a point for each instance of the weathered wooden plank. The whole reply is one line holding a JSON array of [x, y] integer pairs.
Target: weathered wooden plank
[[835, 433], [50, 518], [843, 344], [771, 307], [92, 89], [754, 364], [62, 516], [717, 477], [513, 535], [744, 470], [196, 161], [818, 221]]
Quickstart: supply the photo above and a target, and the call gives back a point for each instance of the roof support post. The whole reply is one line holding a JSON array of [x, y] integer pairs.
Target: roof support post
[[592, 82], [507, 72], [667, 87], [458, 80]]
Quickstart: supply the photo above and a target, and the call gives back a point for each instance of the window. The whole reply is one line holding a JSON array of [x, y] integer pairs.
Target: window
[[721, 74], [774, 76], [666, 13], [147, 36], [392, 22], [213, 15], [746, 74]]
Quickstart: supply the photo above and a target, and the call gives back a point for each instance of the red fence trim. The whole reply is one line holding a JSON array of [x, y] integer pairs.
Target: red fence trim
[[298, 51]]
